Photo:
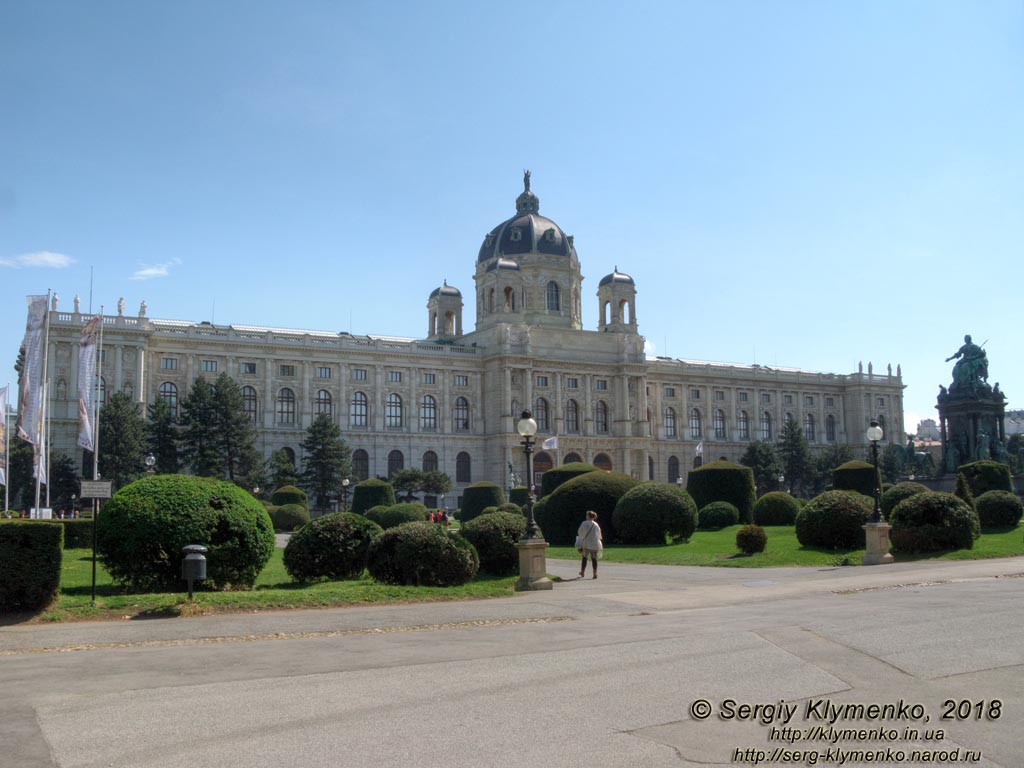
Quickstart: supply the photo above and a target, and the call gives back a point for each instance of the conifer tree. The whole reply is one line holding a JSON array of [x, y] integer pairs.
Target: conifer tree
[[122, 440], [326, 462]]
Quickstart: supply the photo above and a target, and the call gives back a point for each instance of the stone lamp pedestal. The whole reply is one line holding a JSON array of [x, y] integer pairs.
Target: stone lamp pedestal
[[877, 538], [532, 565]]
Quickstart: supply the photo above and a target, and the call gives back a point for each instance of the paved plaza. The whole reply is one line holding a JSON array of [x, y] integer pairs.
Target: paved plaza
[[613, 672]]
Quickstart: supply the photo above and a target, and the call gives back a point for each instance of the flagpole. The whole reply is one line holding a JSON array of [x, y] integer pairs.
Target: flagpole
[[7, 454], [48, 423], [96, 441], [40, 420]]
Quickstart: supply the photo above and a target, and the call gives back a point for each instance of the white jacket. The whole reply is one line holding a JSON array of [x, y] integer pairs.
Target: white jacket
[[589, 535]]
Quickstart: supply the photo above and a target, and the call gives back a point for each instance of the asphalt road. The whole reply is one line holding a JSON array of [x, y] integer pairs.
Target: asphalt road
[[592, 674]]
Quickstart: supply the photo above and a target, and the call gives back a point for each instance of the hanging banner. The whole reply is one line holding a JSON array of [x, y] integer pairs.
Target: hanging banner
[[87, 383], [3, 435], [30, 382]]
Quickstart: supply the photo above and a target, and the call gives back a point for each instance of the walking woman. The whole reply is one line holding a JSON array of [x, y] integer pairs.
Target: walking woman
[[588, 542]]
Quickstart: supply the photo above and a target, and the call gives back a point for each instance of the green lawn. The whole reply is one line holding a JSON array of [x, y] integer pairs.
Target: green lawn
[[718, 548]]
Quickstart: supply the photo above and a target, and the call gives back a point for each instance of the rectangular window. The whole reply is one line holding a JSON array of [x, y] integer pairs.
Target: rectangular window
[[323, 371], [830, 402], [881, 402], [571, 383], [429, 378], [542, 381], [719, 396], [359, 374], [787, 399], [743, 397], [601, 384], [461, 380], [209, 366], [395, 377], [169, 363], [695, 394], [670, 391], [247, 368], [766, 398], [287, 370], [103, 355], [808, 400]]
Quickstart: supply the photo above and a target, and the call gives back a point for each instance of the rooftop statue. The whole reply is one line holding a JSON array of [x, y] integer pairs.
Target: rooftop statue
[[970, 373]]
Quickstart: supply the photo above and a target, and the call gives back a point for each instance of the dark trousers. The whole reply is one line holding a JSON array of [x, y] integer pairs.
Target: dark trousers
[[593, 560]]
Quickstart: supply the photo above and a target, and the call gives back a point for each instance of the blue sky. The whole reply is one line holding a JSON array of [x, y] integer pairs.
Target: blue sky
[[799, 184]]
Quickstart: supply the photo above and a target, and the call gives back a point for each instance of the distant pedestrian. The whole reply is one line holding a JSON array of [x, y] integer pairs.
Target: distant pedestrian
[[588, 542]]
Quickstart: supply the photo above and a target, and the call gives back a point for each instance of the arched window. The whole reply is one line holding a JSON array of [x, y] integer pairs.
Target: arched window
[[696, 430], [541, 464], [360, 464], [698, 461], [766, 426], [428, 413], [540, 415], [809, 427], [463, 468], [743, 422], [358, 409], [830, 428], [490, 300], [460, 415], [286, 406], [323, 402], [430, 462], [290, 453], [571, 457], [249, 402], [393, 412], [396, 462], [673, 469], [601, 417], [670, 422], [169, 394], [719, 424], [554, 300], [601, 461], [510, 299], [516, 410], [103, 391], [572, 416]]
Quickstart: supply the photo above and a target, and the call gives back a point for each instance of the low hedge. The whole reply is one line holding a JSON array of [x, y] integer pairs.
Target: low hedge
[[422, 554], [561, 513], [519, 495], [288, 517], [647, 513], [506, 507], [406, 512], [333, 546], [717, 515], [834, 520], [751, 539], [30, 565], [933, 521], [77, 533], [555, 477], [372, 493], [776, 508], [494, 535], [998, 509], [289, 494], [898, 493], [856, 476], [987, 475], [723, 481], [477, 497]]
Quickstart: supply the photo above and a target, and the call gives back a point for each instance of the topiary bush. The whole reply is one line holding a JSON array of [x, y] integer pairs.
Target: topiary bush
[[372, 493], [288, 517], [933, 521], [555, 477], [519, 495], [143, 528], [834, 520], [561, 513], [963, 490], [723, 481], [333, 546], [986, 475], [717, 515], [374, 513], [478, 496], [407, 512], [289, 494], [647, 513], [422, 554], [494, 536], [751, 539], [998, 509], [30, 564], [776, 508], [898, 493], [856, 476]]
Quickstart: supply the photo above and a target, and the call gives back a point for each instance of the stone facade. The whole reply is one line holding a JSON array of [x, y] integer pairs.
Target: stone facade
[[454, 397]]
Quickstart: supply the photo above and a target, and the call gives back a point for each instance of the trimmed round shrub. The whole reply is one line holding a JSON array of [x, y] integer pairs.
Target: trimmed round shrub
[[334, 546], [986, 475], [494, 535], [372, 493], [834, 520], [374, 513], [478, 496], [898, 493], [289, 517], [143, 529], [289, 494], [776, 508], [407, 512], [555, 477], [647, 513], [751, 539], [856, 476], [422, 554], [509, 506], [998, 509], [933, 521], [561, 513], [717, 514], [519, 495], [723, 481]]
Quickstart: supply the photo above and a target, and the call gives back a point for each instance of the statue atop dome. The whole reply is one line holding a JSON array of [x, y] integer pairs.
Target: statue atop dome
[[526, 180]]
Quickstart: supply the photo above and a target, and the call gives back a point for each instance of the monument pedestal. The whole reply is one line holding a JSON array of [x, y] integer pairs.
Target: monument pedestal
[[532, 565], [877, 537]]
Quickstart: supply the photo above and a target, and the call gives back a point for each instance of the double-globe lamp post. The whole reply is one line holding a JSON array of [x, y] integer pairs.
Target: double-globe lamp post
[[532, 547]]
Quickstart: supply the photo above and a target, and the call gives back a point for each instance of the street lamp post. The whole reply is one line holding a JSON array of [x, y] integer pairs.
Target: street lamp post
[[345, 482], [532, 547], [679, 482], [150, 463], [876, 530], [874, 434], [527, 428], [782, 479]]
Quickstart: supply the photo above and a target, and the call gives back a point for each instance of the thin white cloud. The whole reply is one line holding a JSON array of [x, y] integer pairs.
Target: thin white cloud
[[157, 270], [649, 347], [47, 259]]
